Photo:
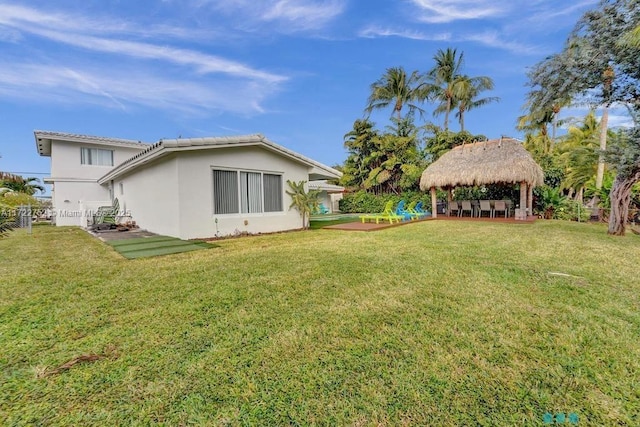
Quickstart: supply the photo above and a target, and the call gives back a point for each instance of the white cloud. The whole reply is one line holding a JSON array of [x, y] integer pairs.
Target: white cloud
[[148, 73], [304, 14], [551, 10], [204, 63], [285, 16], [495, 40], [125, 88], [444, 11], [375, 31], [21, 18], [618, 116], [487, 38], [79, 33]]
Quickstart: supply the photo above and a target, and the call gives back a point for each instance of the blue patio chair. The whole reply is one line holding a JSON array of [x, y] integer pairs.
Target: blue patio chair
[[419, 209], [404, 213], [417, 214]]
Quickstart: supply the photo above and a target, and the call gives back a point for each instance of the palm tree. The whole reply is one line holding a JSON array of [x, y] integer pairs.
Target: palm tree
[[607, 81], [19, 184], [466, 91], [304, 201], [579, 154], [6, 223], [536, 122], [397, 89], [441, 80], [632, 38]]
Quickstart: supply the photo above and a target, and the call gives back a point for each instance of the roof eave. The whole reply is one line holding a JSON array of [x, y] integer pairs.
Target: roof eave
[[44, 139], [317, 170], [43, 145]]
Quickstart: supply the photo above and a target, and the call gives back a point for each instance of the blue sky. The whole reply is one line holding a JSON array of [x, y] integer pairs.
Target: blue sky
[[297, 71]]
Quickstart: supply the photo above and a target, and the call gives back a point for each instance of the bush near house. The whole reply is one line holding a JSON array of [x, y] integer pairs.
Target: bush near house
[[365, 202]]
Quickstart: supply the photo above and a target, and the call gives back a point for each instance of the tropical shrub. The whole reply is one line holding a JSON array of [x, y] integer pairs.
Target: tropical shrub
[[572, 210], [363, 201], [302, 200], [14, 199], [548, 201]]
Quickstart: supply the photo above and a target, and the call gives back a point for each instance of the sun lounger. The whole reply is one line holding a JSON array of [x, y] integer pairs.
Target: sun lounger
[[415, 213], [387, 215]]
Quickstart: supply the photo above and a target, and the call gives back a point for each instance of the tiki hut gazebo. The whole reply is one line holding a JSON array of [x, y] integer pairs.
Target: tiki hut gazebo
[[497, 161]]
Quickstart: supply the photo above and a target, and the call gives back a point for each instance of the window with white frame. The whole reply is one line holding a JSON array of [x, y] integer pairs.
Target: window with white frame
[[246, 192], [96, 156]]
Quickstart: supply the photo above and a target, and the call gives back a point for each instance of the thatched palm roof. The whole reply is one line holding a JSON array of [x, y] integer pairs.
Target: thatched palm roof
[[497, 161]]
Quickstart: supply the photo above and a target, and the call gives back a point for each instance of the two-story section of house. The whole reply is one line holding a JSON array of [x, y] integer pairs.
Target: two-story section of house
[[187, 188], [77, 162]]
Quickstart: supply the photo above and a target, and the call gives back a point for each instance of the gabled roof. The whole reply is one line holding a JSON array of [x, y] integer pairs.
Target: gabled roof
[[167, 146], [44, 138], [497, 161]]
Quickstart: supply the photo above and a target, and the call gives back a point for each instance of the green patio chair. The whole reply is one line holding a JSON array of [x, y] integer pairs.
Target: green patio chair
[[413, 207], [105, 216], [387, 215]]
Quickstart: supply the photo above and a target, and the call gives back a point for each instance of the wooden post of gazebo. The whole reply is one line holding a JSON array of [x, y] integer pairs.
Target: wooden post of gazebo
[[434, 203], [449, 200], [530, 201], [521, 213]]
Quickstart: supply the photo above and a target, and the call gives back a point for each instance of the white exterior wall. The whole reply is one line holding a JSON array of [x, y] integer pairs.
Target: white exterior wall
[[150, 195], [75, 183], [174, 195], [69, 195], [65, 159], [197, 219]]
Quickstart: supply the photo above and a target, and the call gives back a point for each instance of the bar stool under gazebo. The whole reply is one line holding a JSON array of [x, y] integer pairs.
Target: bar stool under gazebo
[[497, 161]]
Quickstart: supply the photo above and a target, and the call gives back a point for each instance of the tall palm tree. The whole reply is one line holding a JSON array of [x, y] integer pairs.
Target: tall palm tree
[[440, 82], [466, 91], [536, 122], [397, 89], [579, 154], [607, 81]]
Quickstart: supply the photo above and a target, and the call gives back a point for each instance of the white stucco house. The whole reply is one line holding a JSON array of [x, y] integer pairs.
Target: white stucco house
[[187, 188]]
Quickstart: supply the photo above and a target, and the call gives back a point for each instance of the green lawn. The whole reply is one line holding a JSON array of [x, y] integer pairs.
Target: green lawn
[[316, 224], [433, 323]]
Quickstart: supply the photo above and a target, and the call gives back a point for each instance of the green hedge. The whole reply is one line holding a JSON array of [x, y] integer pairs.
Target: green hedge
[[363, 202]]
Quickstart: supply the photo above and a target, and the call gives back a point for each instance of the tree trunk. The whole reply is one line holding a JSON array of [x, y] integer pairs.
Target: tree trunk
[[580, 195], [446, 114], [620, 197], [603, 146], [461, 120]]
